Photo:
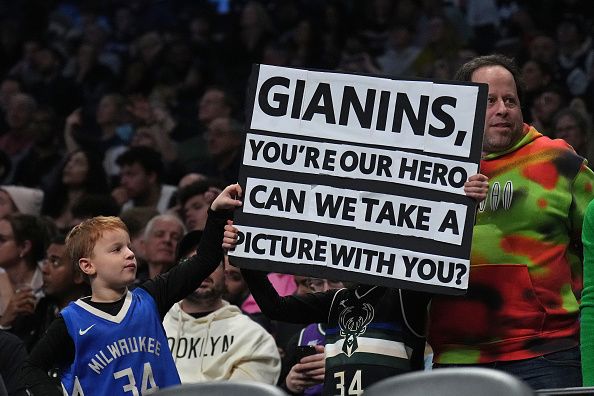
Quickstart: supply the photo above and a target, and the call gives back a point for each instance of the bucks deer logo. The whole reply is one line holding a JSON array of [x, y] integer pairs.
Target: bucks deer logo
[[353, 321]]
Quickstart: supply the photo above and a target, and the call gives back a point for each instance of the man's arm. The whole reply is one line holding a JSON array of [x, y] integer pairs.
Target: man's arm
[[310, 308], [55, 348]]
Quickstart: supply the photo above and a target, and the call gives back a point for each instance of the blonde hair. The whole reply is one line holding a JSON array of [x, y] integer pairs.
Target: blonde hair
[[81, 240]]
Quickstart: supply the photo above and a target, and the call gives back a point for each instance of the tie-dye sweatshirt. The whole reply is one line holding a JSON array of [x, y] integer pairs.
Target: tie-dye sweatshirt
[[525, 261]]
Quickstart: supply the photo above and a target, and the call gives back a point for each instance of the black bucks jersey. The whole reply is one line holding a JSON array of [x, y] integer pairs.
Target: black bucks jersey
[[370, 337]]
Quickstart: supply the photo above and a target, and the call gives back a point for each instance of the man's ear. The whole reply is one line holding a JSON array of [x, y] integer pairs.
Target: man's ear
[[87, 266]]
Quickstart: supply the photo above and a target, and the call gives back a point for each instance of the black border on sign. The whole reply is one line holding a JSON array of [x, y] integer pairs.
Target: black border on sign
[[338, 274], [345, 233]]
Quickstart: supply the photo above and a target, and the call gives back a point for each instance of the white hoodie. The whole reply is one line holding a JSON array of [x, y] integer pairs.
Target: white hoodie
[[226, 344]]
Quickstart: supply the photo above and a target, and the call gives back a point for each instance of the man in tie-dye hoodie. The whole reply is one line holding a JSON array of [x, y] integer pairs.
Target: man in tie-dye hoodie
[[521, 311]]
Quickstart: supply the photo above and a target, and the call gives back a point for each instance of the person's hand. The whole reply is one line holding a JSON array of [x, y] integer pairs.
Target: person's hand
[[228, 199], [74, 118], [230, 236], [477, 187], [308, 372], [22, 302]]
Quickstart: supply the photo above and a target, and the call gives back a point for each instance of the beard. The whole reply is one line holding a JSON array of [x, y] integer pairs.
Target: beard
[[211, 293]]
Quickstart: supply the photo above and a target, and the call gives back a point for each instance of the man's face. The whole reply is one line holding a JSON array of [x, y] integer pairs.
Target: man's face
[[59, 277], [212, 105], [135, 180], [546, 105], [18, 115], [568, 129], [220, 139], [161, 242], [234, 282], [213, 286], [503, 122]]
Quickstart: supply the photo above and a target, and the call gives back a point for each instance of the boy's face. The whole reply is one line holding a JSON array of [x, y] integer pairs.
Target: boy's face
[[112, 262]]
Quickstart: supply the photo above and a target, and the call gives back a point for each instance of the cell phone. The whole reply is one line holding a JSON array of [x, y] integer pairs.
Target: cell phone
[[304, 350]]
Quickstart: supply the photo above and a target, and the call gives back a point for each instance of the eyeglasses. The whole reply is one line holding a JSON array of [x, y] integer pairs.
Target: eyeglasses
[[322, 284]]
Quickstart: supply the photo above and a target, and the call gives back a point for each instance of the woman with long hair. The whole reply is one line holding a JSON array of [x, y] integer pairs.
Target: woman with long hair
[[81, 175]]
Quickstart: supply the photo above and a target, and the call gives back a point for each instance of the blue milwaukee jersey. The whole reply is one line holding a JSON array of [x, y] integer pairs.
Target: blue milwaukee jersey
[[125, 354]]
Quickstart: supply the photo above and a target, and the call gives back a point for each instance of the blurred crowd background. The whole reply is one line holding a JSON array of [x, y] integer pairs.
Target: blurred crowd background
[[103, 76]]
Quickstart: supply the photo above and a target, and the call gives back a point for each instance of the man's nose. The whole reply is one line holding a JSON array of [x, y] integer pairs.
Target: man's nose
[[501, 107]]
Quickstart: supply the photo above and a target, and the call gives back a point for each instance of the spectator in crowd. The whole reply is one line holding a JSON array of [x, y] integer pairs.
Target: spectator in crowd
[[306, 373], [214, 103], [61, 285], [161, 236], [82, 174], [224, 343], [109, 120], [546, 104], [512, 318], [194, 201], [224, 140], [91, 78], [442, 43], [236, 289], [100, 248], [543, 48], [9, 87], [142, 72], [23, 239], [93, 205], [397, 317], [49, 86], [136, 220], [43, 159], [389, 309], [400, 53], [20, 135], [141, 169], [576, 54], [17, 199], [537, 76], [12, 357], [572, 126], [152, 136]]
